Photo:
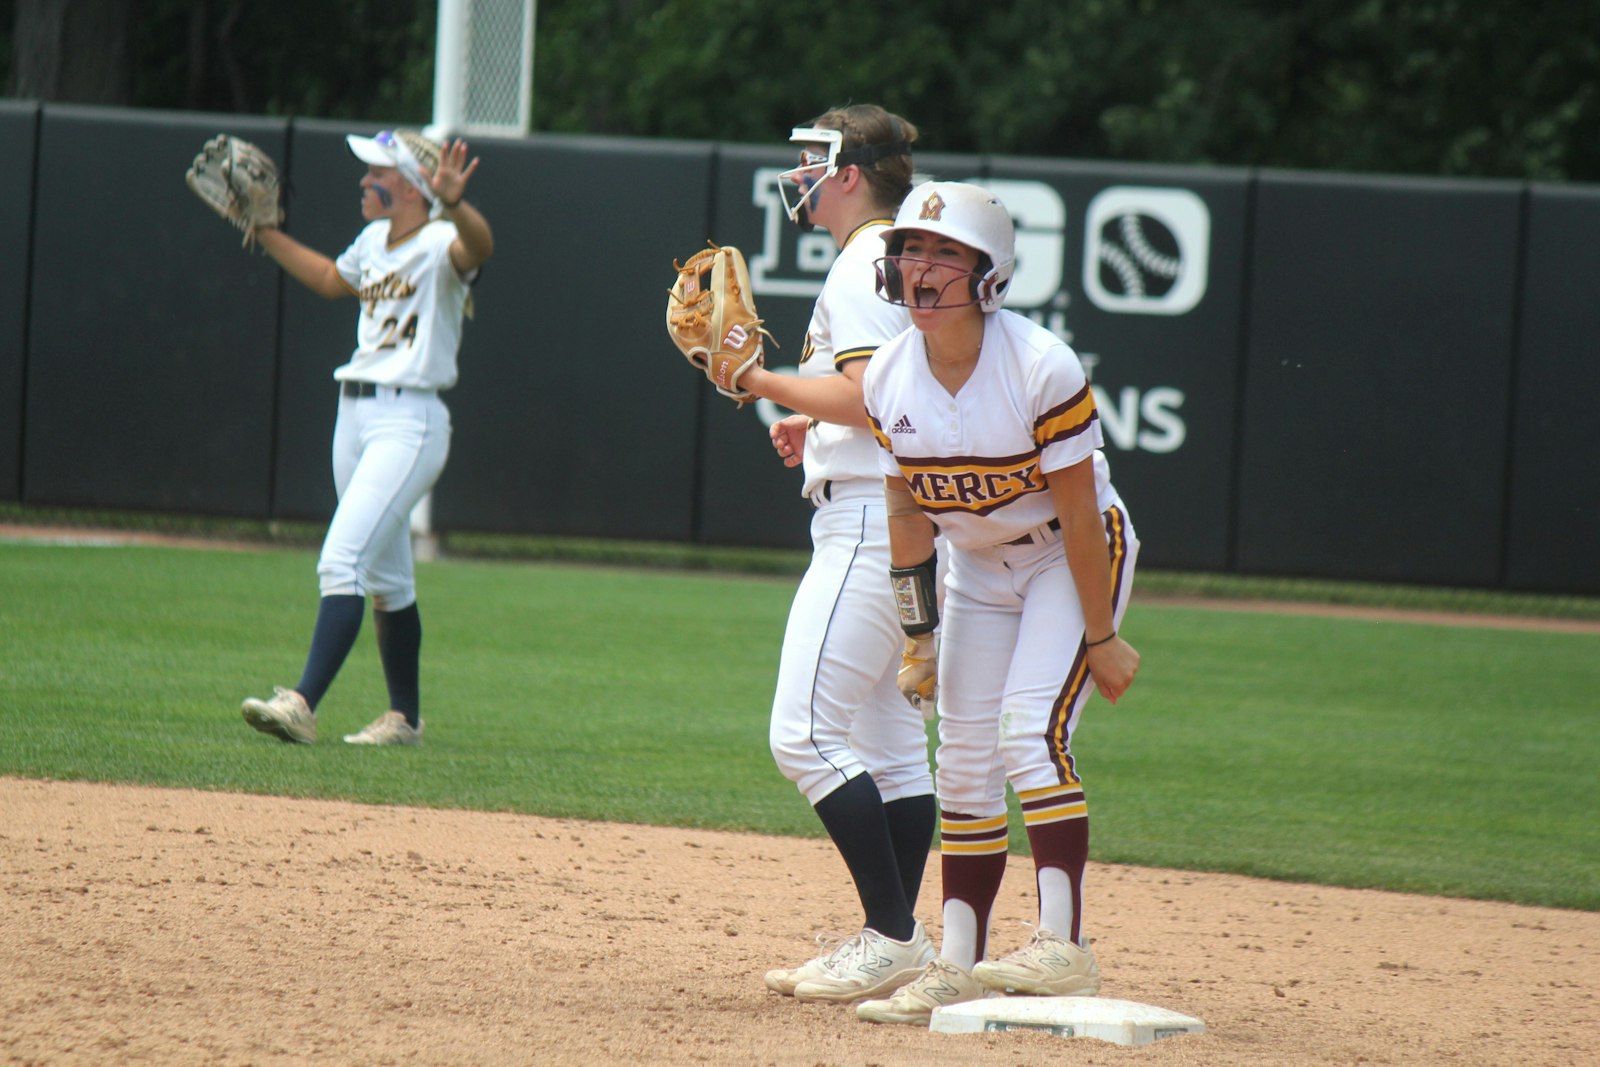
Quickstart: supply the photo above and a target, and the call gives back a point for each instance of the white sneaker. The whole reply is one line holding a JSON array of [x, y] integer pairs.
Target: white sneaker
[[286, 716], [941, 982], [390, 728], [784, 979], [1046, 966], [867, 965]]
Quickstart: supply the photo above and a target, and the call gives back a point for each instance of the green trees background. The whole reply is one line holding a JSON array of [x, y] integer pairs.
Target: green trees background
[[1485, 88]]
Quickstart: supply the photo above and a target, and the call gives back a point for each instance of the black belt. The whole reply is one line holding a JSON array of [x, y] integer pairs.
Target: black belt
[[822, 495], [1027, 538], [357, 390]]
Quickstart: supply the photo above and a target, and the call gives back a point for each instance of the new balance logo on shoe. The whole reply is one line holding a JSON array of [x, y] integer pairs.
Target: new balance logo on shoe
[[867, 965], [940, 983], [1046, 966], [903, 426]]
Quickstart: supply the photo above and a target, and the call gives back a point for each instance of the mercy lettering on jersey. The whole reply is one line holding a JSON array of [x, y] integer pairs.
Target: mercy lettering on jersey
[[970, 483], [410, 325], [976, 461]]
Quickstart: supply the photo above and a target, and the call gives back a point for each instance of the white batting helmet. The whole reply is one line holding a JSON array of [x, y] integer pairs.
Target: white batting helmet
[[962, 212]]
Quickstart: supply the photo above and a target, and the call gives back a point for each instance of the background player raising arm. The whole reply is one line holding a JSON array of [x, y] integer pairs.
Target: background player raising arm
[[411, 267], [389, 190]]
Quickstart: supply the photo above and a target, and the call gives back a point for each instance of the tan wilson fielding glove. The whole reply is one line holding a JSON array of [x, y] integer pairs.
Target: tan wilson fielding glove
[[711, 317]]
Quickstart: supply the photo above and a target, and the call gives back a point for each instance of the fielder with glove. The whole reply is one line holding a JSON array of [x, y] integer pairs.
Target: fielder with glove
[[411, 269], [238, 181], [840, 728], [711, 317]]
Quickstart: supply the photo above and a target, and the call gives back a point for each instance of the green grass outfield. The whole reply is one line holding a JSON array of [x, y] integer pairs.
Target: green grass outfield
[[1427, 758]]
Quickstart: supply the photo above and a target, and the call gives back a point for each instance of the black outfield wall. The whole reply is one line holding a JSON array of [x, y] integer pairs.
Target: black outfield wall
[[1378, 368], [19, 134], [1332, 376], [151, 340]]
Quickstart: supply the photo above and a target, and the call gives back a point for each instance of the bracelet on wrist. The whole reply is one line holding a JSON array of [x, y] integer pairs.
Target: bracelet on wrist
[[1103, 640]]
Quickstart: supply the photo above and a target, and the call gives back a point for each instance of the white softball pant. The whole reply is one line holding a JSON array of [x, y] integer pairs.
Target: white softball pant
[[837, 711], [388, 450], [1012, 676]]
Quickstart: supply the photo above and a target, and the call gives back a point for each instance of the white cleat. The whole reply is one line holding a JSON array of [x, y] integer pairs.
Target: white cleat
[[940, 983], [867, 965], [1047, 965], [784, 979], [390, 728], [286, 716]]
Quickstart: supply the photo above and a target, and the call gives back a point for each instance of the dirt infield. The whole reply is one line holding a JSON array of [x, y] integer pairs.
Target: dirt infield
[[177, 927]]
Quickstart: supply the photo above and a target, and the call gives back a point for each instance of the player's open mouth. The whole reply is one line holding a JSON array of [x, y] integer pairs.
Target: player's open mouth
[[925, 296]]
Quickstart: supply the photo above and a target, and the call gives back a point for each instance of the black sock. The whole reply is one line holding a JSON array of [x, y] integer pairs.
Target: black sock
[[854, 817], [338, 623], [400, 649], [912, 821]]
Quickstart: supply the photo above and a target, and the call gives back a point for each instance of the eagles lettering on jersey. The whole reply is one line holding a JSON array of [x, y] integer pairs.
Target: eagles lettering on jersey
[[390, 287], [412, 305]]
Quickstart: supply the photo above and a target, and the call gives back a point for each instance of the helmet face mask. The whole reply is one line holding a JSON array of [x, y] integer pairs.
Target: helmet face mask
[[797, 184], [822, 155], [967, 214], [916, 282]]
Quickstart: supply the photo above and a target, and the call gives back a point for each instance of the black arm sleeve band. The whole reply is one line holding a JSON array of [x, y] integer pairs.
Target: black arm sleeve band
[[916, 596]]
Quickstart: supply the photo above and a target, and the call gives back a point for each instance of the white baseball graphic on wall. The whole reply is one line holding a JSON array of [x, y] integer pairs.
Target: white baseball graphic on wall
[[1146, 250]]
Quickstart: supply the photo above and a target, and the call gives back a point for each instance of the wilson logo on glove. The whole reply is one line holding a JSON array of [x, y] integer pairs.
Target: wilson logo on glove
[[712, 318]]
